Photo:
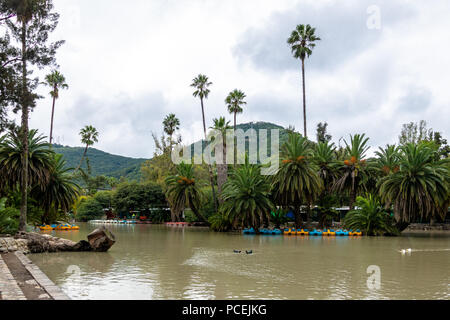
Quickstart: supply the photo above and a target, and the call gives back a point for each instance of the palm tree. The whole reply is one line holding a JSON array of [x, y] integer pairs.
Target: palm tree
[[419, 189], [221, 125], [25, 10], [59, 193], [302, 42], [297, 181], [89, 136], [235, 101], [325, 159], [370, 218], [183, 191], [354, 171], [171, 124], [246, 197], [201, 84], [56, 81], [388, 159], [11, 160]]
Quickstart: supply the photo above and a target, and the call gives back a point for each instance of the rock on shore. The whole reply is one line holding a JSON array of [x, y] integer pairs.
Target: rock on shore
[[100, 240]]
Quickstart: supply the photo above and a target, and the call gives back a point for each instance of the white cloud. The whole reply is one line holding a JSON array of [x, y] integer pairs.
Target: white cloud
[[129, 64]]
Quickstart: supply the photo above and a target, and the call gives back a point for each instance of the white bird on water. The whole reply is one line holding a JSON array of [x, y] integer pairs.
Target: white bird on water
[[404, 251]]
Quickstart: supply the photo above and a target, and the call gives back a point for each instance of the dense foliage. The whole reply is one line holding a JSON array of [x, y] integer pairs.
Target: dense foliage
[[370, 217]]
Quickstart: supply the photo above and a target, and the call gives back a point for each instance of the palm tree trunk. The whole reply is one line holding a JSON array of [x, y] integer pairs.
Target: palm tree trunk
[[197, 213], [235, 142], [211, 178], [298, 216], [222, 170], [51, 122], [352, 192], [304, 98], [82, 158], [24, 129]]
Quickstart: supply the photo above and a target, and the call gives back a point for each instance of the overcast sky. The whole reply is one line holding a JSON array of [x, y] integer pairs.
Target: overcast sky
[[129, 63]]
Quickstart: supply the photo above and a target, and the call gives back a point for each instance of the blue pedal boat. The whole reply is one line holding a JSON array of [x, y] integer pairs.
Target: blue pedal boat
[[315, 232], [249, 231], [342, 233]]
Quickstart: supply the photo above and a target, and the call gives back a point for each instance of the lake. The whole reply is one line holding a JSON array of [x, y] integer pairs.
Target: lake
[[161, 262]]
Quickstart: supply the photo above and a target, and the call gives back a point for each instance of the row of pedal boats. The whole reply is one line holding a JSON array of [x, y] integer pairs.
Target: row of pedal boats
[[114, 221], [64, 227], [305, 232]]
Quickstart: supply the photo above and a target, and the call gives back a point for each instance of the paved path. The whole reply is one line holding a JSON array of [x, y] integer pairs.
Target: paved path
[[20, 279], [9, 289]]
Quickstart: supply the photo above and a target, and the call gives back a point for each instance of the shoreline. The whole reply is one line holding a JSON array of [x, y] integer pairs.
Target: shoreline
[[21, 279]]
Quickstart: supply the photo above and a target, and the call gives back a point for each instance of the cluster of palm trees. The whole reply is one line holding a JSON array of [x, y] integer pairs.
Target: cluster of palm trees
[[400, 185], [50, 182], [409, 180]]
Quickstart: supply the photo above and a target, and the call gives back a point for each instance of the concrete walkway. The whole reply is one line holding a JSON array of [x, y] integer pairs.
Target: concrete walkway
[[20, 279]]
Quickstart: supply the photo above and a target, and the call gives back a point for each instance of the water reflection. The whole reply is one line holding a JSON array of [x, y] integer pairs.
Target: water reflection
[[158, 262]]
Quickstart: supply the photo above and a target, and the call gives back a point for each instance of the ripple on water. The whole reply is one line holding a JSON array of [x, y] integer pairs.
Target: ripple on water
[[152, 262]]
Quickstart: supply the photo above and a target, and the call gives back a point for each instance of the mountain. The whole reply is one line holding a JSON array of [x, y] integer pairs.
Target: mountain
[[102, 163], [257, 126]]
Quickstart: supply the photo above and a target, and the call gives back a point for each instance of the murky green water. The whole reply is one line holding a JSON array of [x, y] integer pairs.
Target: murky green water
[[159, 262]]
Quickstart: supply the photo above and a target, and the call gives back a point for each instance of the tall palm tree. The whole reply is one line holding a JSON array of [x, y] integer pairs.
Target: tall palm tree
[[297, 181], [302, 42], [89, 136], [420, 188], [171, 124], [354, 171], [235, 102], [56, 81], [201, 85], [221, 125], [59, 193], [183, 191], [11, 160], [25, 10], [246, 197]]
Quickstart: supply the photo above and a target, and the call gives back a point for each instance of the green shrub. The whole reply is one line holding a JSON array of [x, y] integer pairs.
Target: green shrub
[[370, 217], [220, 223], [104, 198], [207, 208], [9, 218], [90, 209]]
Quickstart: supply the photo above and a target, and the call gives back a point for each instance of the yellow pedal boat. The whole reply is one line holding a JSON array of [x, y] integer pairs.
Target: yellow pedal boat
[[289, 231], [328, 232], [302, 232], [46, 228], [63, 227], [355, 233]]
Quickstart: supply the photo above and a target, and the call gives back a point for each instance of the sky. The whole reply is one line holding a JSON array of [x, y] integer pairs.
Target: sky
[[379, 64]]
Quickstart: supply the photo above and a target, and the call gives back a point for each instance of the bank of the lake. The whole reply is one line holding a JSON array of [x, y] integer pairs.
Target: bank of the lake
[[159, 262]]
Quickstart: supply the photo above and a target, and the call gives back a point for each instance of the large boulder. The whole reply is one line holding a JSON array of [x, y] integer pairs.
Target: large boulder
[[101, 239]]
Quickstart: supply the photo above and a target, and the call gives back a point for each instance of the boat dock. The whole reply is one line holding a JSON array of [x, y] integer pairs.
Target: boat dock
[[20, 279]]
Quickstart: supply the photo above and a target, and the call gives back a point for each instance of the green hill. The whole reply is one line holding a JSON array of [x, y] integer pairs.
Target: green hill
[[102, 163], [257, 126]]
